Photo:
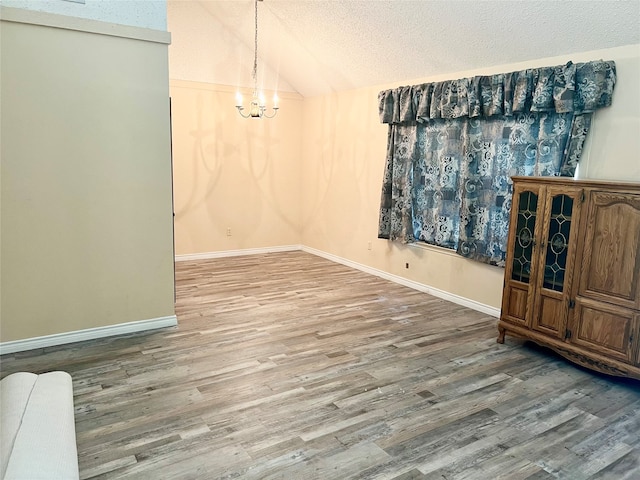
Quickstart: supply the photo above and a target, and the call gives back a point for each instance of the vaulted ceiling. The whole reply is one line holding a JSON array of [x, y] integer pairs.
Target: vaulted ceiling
[[318, 46]]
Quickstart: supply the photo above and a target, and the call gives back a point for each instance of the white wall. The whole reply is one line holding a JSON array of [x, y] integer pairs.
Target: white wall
[[204, 50], [137, 13], [237, 181]]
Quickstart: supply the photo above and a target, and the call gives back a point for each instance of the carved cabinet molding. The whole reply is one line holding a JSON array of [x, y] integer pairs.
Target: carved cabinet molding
[[572, 277]]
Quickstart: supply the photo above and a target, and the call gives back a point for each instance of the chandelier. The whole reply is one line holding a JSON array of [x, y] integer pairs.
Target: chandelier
[[257, 107]]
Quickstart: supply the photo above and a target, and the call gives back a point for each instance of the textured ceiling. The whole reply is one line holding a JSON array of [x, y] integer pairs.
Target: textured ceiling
[[320, 46]]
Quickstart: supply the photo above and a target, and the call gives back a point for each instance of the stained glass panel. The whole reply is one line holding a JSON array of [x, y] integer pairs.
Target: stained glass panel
[[557, 244], [524, 241]]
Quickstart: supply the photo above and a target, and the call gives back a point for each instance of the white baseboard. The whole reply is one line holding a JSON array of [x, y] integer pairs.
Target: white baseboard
[[436, 292], [237, 253], [87, 334]]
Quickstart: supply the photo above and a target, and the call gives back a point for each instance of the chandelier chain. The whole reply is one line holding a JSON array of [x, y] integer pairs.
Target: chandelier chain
[[255, 48]]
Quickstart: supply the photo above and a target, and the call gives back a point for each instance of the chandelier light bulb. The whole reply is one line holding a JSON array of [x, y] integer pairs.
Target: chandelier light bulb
[[256, 110]]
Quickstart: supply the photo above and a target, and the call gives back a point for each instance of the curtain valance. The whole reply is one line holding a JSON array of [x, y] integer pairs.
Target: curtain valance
[[572, 88]]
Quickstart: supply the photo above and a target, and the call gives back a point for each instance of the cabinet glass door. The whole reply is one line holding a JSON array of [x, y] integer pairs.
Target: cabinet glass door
[[556, 258], [557, 243], [524, 237]]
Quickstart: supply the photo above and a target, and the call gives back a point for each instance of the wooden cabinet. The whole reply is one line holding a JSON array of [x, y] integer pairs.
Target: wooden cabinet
[[572, 277]]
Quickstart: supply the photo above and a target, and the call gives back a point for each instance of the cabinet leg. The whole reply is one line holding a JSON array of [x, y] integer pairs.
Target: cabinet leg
[[501, 332]]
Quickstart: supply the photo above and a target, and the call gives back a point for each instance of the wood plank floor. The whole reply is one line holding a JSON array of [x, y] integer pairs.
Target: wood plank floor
[[288, 366]]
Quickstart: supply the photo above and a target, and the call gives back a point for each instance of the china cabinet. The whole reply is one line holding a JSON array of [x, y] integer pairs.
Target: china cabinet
[[572, 276]]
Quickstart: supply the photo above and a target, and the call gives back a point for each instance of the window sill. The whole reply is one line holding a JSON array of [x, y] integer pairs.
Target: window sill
[[434, 249]]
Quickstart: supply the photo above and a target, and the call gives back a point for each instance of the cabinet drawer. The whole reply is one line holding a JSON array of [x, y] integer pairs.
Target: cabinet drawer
[[605, 329]]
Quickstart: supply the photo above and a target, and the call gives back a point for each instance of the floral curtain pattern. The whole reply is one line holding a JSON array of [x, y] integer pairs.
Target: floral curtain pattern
[[436, 173], [454, 145]]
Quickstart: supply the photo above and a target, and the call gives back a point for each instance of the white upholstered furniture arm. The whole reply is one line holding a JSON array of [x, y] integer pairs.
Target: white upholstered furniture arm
[[38, 437]]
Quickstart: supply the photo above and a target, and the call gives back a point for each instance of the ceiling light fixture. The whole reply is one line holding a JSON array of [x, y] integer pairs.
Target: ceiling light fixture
[[258, 107]]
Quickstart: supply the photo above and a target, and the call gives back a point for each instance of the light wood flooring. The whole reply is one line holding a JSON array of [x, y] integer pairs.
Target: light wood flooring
[[288, 366]]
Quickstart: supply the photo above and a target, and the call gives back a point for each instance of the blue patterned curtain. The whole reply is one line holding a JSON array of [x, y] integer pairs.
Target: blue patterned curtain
[[453, 147]]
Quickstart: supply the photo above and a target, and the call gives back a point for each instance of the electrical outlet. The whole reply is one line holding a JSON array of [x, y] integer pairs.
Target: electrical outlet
[[228, 231], [369, 246], [406, 265]]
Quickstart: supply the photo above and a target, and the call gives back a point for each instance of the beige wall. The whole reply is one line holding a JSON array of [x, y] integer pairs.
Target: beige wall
[[344, 151], [234, 173], [613, 146], [86, 236]]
